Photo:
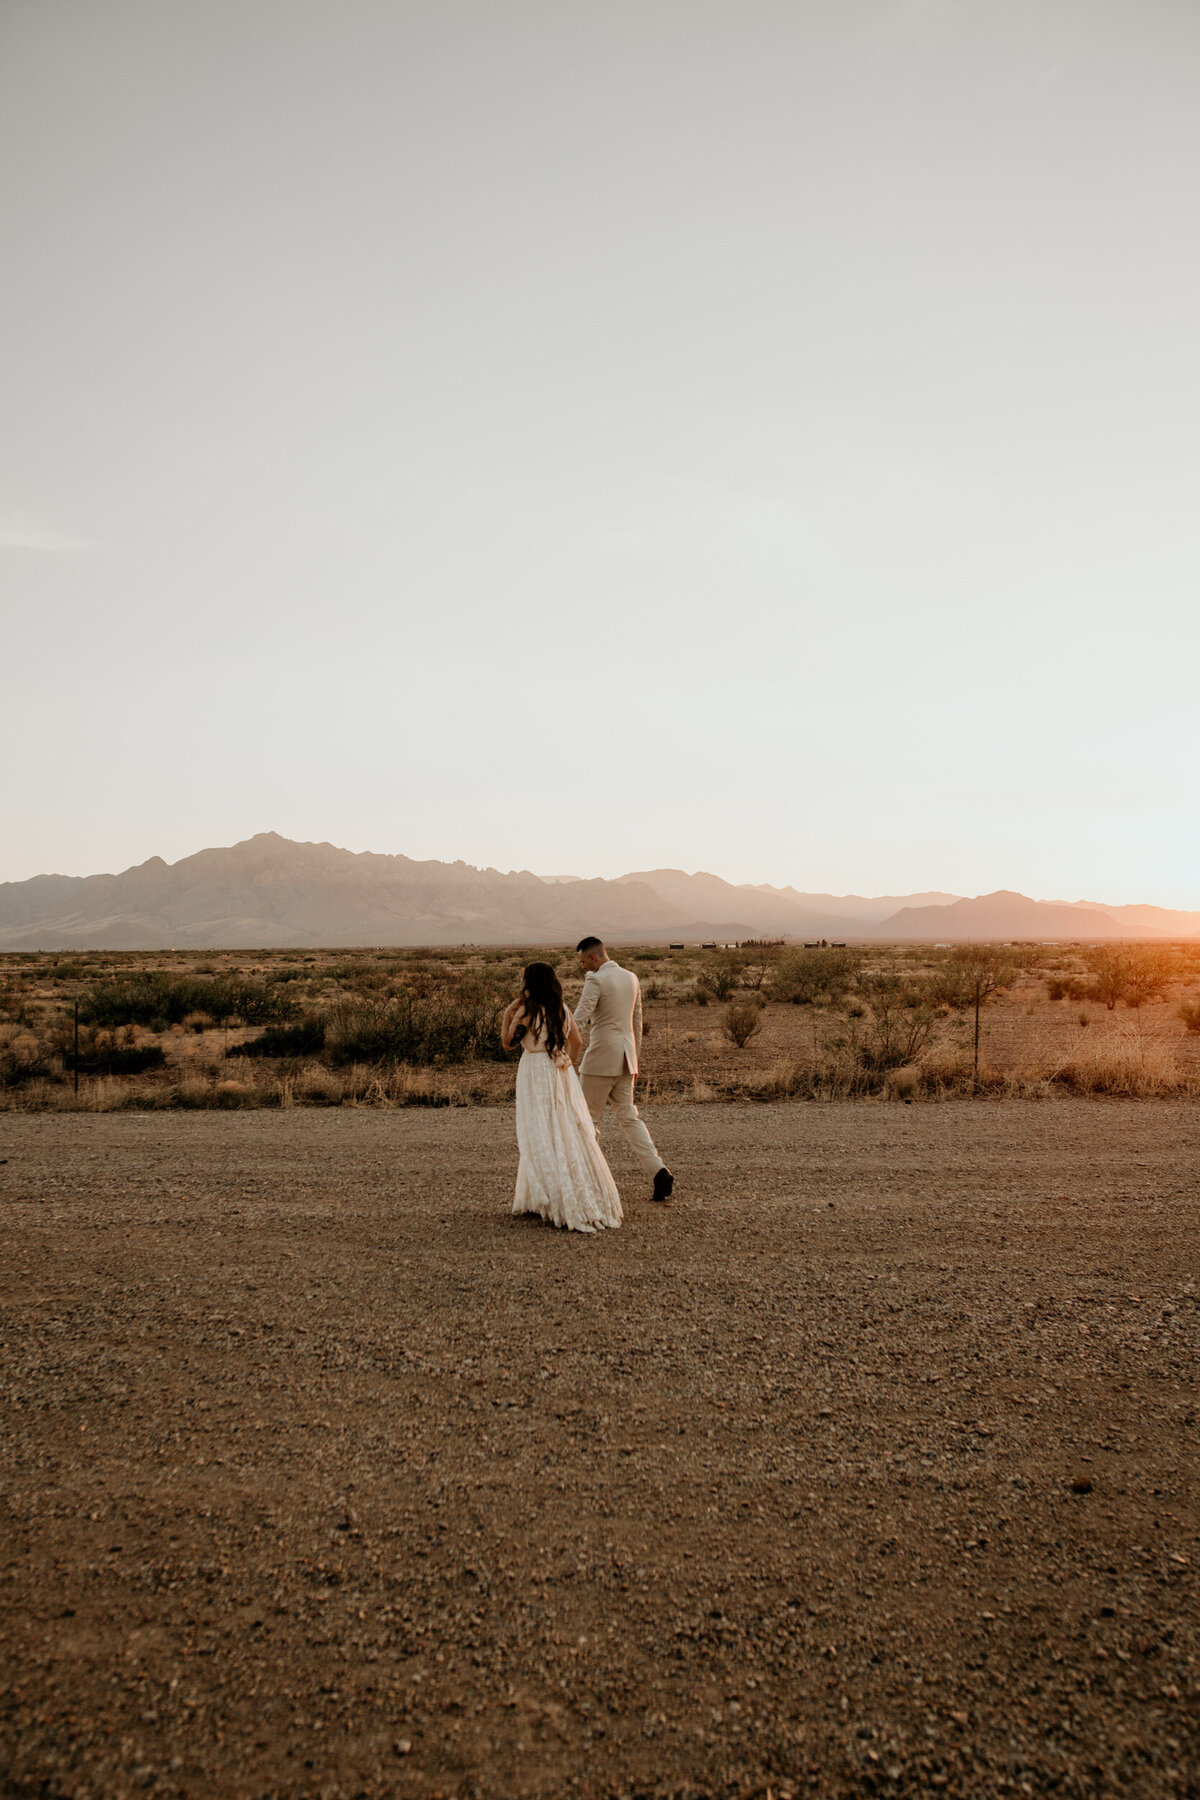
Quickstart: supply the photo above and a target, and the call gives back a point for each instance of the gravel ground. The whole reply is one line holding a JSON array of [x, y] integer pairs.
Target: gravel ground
[[865, 1468]]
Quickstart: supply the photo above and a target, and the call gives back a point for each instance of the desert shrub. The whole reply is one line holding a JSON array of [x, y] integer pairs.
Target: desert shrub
[[899, 1024], [1108, 966], [23, 1057], [949, 986], [903, 1083], [318, 1086], [809, 977], [1150, 971], [1066, 987], [101, 1051], [741, 1021], [14, 1002], [456, 1024], [722, 976], [155, 998], [969, 973], [363, 978], [305, 1038], [189, 1093], [1189, 1012], [946, 1071], [115, 1059], [254, 1002], [1134, 973], [235, 1093], [758, 960]]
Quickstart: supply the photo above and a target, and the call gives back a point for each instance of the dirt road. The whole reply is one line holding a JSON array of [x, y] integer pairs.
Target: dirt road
[[866, 1468]]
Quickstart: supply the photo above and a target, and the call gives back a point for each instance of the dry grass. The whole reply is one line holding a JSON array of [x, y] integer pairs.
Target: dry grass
[[1130, 1066], [314, 1085], [1126, 1064], [1123, 1062]]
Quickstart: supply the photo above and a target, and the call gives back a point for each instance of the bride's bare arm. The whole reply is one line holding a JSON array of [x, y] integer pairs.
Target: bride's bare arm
[[574, 1038], [512, 1018]]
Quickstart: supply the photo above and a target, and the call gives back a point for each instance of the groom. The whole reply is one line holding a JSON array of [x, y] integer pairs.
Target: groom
[[612, 1006]]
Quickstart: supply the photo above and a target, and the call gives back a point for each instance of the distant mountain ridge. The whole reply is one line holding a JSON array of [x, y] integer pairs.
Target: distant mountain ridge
[[1154, 919], [269, 892], [1002, 915], [858, 906]]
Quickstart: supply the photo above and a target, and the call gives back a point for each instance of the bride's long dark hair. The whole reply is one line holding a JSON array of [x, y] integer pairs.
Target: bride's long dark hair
[[542, 1003]]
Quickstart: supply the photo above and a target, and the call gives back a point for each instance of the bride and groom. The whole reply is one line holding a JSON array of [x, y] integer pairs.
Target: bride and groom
[[563, 1175]]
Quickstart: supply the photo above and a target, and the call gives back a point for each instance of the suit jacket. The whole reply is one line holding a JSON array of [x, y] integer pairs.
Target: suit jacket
[[612, 1006]]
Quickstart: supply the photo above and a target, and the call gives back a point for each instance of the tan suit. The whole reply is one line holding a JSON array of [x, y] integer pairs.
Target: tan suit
[[612, 1006]]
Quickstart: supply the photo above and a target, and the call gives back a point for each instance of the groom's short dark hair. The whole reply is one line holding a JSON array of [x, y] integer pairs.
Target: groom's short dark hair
[[588, 943]]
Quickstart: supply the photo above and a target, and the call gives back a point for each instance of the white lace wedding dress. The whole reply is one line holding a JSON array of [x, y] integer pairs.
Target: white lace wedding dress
[[562, 1175]]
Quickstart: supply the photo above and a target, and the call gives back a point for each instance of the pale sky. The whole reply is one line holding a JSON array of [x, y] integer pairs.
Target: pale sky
[[759, 436]]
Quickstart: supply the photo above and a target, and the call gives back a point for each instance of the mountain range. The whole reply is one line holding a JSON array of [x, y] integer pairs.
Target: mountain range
[[269, 892]]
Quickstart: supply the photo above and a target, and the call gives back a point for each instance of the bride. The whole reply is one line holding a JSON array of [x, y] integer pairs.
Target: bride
[[562, 1175]]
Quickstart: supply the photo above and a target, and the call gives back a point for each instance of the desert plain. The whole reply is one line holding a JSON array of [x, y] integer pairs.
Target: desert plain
[[104, 1031], [866, 1467]]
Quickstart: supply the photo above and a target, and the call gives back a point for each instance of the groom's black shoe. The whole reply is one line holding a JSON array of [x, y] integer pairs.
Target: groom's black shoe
[[664, 1181]]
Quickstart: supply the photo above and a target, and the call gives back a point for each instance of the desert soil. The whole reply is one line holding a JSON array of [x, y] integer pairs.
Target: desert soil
[[865, 1468]]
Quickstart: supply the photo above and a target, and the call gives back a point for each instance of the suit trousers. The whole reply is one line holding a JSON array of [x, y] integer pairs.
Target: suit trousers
[[617, 1091]]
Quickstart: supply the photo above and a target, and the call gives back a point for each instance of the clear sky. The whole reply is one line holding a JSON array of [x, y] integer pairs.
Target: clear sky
[[761, 436]]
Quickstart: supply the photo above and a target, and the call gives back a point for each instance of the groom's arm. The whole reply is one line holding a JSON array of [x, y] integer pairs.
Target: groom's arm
[[589, 1000], [637, 1021]]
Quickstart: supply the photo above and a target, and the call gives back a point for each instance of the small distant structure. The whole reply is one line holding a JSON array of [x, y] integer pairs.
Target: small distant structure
[[675, 946], [711, 946]]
